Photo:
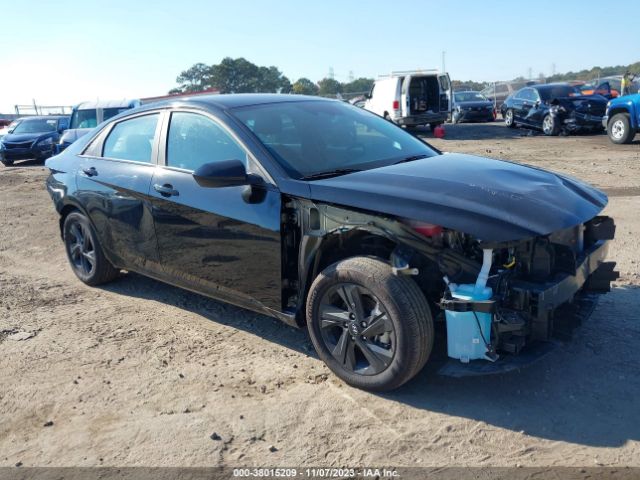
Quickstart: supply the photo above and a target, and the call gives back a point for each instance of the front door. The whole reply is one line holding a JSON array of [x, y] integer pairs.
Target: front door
[[214, 240]]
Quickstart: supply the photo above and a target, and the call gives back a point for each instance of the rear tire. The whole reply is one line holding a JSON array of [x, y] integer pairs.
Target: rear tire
[[619, 129], [84, 252], [7, 163], [372, 328], [550, 125], [508, 118]]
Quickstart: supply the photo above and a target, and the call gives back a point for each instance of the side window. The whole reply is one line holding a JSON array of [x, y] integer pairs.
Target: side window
[[132, 139], [194, 140]]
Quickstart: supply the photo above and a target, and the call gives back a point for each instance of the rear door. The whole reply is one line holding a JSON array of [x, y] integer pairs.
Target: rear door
[[113, 186], [214, 240], [405, 98], [446, 93]]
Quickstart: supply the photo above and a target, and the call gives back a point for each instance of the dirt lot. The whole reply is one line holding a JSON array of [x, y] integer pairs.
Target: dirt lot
[[140, 373]]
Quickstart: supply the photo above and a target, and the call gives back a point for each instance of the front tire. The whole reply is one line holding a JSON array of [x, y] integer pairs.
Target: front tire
[[550, 125], [508, 118], [7, 163], [619, 129], [372, 328], [84, 252]]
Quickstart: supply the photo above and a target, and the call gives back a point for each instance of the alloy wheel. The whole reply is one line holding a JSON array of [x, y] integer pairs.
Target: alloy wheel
[[617, 129], [547, 125], [509, 117], [81, 249], [356, 329]]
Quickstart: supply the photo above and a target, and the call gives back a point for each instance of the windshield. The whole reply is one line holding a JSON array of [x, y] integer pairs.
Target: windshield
[[84, 119], [311, 137], [39, 125], [558, 91], [469, 97]]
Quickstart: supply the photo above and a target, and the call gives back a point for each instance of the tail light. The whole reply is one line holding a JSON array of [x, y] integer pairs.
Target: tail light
[[425, 229], [396, 104]]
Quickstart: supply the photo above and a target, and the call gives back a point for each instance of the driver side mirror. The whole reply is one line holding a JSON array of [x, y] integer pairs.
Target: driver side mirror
[[228, 173]]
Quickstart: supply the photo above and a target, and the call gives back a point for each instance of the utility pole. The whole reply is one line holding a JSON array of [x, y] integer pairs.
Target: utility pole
[[553, 69], [351, 78], [443, 65], [530, 73], [331, 74]]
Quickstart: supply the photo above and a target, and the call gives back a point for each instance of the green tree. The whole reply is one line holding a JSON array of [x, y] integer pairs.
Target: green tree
[[359, 85], [304, 86], [195, 79], [329, 87]]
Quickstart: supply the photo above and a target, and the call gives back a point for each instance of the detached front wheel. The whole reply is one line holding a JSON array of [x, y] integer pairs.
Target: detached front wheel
[[508, 118], [372, 328], [550, 125]]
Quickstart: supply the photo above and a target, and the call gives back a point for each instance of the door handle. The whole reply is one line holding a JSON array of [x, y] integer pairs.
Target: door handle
[[90, 172], [166, 190]]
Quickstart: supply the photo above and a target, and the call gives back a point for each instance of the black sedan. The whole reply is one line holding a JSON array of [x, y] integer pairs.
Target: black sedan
[[320, 213], [472, 106], [32, 138], [554, 108]]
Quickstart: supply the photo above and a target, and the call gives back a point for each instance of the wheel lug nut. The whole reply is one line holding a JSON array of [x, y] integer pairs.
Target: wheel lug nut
[[352, 316], [363, 324]]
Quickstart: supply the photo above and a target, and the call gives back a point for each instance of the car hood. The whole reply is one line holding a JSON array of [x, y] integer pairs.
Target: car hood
[[492, 200], [26, 137], [70, 136]]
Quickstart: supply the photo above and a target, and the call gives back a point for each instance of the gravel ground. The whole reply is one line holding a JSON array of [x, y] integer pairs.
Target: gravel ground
[[140, 373]]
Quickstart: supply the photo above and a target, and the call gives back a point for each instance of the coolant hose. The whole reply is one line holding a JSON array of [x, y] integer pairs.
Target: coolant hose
[[487, 259]]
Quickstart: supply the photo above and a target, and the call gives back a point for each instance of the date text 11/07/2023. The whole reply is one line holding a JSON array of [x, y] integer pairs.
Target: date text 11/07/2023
[[315, 473]]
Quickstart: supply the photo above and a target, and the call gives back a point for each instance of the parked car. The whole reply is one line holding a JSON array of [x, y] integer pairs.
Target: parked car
[[622, 119], [470, 106], [603, 88], [314, 211], [87, 115], [4, 122], [499, 91], [32, 138], [6, 129], [412, 98], [553, 108]]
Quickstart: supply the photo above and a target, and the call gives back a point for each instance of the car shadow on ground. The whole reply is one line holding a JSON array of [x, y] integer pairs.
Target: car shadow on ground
[[24, 163], [584, 392], [268, 328]]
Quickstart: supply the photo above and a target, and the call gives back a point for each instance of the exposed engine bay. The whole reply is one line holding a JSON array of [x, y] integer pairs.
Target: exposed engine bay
[[530, 280]]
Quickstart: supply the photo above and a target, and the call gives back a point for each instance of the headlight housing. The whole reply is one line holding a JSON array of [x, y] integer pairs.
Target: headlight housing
[[1, 145], [45, 142]]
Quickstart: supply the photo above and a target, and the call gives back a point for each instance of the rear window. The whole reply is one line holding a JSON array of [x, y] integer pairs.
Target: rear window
[[132, 139]]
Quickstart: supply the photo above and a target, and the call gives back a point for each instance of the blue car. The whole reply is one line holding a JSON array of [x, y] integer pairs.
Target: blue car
[[32, 138], [622, 119]]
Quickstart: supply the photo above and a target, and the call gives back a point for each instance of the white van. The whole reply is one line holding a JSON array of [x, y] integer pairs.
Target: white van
[[411, 98]]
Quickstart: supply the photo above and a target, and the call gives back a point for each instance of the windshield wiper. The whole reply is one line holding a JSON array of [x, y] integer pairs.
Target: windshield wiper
[[330, 173], [411, 158]]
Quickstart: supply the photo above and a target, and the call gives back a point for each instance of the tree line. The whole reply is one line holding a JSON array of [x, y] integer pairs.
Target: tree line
[[238, 75]]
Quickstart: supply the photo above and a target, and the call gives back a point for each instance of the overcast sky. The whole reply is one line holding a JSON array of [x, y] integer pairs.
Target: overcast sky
[[67, 51]]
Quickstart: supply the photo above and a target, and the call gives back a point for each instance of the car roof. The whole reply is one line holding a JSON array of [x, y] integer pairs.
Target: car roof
[[124, 103], [544, 86], [43, 117], [234, 100]]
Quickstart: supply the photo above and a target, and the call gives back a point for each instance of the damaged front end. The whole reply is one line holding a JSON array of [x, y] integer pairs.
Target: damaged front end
[[577, 114], [535, 281], [531, 282]]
